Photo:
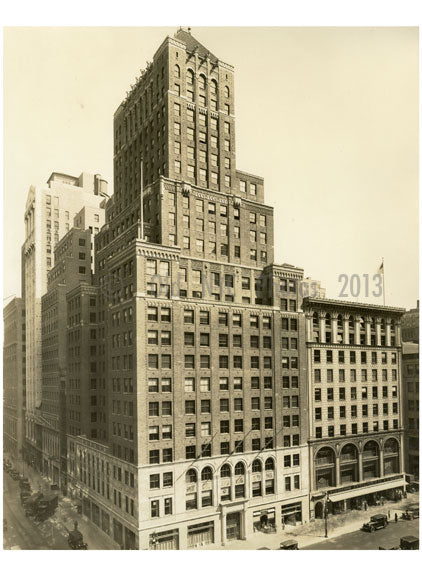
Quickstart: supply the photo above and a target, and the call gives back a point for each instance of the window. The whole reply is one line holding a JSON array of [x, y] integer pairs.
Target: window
[[168, 506], [224, 404], [189, 385], [155, 508], [238, 404], [224, 383], [237, 320], [154, 456], [190, 455], [205, 428], [204, 317], [189, 406]]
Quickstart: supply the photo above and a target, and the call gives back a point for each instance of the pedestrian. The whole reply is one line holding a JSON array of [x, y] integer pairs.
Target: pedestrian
[[396, 518], [365, 506], [389, 514]]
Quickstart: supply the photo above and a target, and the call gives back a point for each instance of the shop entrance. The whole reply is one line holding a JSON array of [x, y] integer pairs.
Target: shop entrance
[[319, 510], [233, 526]]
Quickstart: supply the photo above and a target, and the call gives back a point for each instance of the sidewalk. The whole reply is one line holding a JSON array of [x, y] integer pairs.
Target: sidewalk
[[313, 532]]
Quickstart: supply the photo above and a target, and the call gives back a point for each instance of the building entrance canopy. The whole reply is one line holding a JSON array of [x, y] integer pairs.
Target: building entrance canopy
[[354, 493]]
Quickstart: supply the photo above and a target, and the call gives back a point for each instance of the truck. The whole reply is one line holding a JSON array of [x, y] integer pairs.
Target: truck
[[46, 507], [31, 504]]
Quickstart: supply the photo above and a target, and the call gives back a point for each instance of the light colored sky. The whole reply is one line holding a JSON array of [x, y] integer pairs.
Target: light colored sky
[[328, 116]]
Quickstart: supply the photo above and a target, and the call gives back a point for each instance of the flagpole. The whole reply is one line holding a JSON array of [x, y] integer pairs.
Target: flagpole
[[383, 280], [142, 198]]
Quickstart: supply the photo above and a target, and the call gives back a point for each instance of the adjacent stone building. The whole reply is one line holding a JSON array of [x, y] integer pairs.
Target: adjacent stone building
[[49, 213], [13, 377], [356, 442], [410, 371], [73, 269]]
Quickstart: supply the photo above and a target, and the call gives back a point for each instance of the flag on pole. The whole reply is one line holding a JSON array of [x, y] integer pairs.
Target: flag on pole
[[381, 268]]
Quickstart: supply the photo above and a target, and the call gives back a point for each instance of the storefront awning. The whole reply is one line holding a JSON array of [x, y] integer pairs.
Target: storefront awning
[[354, 493]]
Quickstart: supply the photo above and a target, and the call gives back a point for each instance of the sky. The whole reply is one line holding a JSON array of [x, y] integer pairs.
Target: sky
[[328, 116]]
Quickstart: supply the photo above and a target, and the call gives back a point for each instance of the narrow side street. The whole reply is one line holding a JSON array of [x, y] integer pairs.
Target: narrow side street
[[26, 534]]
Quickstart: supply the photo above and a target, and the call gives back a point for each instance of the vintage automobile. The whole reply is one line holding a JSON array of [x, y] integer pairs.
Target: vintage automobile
[[410, 514], [289, 545], [24, 495], [409, 543], [46, 507], [14, 474], [76, 540], [375, 523], [24, 484], [31, 504]]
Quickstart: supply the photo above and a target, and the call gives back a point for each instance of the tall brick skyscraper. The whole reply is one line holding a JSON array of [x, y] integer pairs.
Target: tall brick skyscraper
[[200, 340]]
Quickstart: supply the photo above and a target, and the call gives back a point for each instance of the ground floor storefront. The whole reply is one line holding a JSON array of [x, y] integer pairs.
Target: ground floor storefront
[[358, 496], [115, 527], [234, 521]]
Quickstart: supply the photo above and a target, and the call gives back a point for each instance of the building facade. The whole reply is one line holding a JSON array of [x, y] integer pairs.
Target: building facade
[[73, 267], [410, 325], [410, 370], [203, 351], [49, 215], [356, 442], [13, 376]]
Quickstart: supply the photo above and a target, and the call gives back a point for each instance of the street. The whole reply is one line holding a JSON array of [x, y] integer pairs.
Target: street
[[359, 540], [26, 534], [22, 532]]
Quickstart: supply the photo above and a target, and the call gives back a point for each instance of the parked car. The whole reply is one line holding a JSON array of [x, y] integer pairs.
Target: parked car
[[289, 545], [414, 511], [410, 514], [24, 483], [25, 494], [76, 540], [46, 507], [409, 543], [14, 474], [31, 504], [376, 522]]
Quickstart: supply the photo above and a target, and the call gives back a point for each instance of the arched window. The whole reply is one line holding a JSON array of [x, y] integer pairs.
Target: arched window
[[189, 76], [225, 471], [191, 476], [202, 81], [226, 91], [239, 469], [206, 473], [269, 464], [177, 71], [213, 88], [256, 466]]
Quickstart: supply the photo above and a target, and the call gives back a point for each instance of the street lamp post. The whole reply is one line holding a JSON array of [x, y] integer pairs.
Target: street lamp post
[[326, 501]]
